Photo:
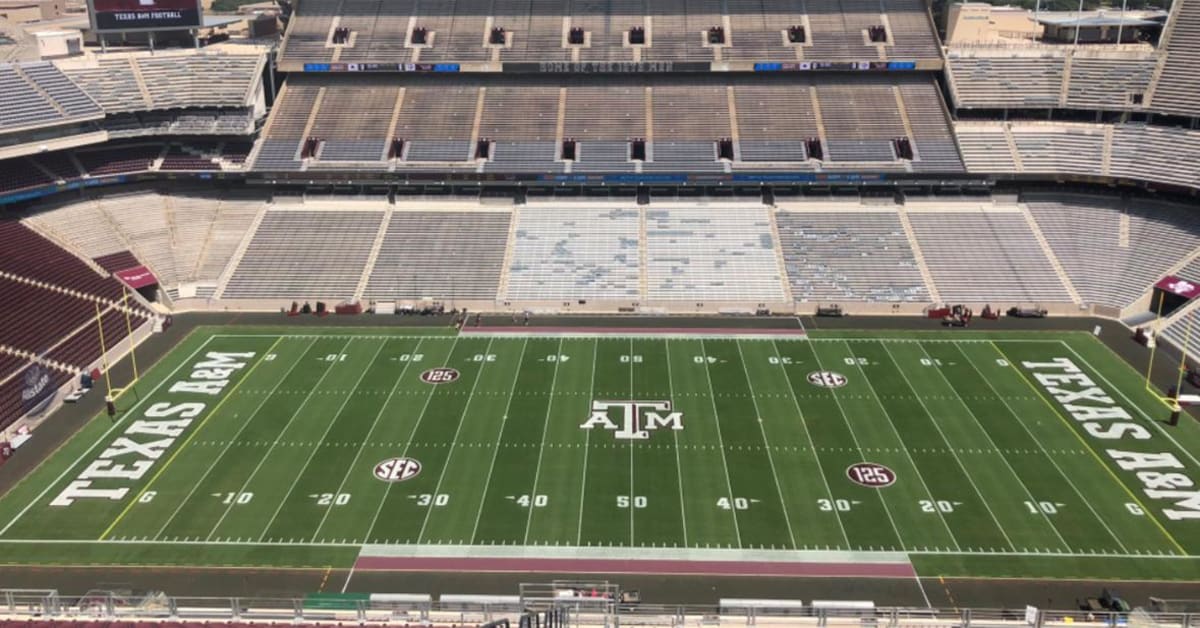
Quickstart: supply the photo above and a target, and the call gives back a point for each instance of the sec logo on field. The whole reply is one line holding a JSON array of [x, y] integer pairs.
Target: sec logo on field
[[397, 469], [440, 375], [827, 379], [871, 475]]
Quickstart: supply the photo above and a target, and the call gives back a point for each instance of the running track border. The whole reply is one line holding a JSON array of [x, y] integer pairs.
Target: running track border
[[637, 566]]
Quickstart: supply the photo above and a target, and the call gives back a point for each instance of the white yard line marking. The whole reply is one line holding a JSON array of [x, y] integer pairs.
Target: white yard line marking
[[487, 483], [362, 446], [217, 459], [675, 435], [542, 449], [1041, 447], [858, 447], [458, 430], [329, 423], [945, 440], [712, 397], [770, 458], [900, 439], [283, 431], [995, 448], [587, 442], [103, 438], [811, 444], [632, 492], [407, 445]]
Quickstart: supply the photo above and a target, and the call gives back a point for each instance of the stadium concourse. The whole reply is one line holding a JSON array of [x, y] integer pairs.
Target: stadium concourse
[[742, 162]]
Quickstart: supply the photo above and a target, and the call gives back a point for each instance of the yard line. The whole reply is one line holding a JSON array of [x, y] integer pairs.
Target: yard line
[[263, 460], [712, 397], [450, 454], [313, 450], [367, 439], [854, 437], [216, 459], [899, 438], [812, 444], [675, 435], [953, 453], [1017, 416], [184, 444], [545, 426], [407, 444], [103, 439], [1028, 493], [587, 441], [487, 483], [632, 492], [770, 458]]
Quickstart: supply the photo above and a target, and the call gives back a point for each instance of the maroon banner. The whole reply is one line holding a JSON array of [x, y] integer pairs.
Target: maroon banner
[[136, 277], [1179, 286]]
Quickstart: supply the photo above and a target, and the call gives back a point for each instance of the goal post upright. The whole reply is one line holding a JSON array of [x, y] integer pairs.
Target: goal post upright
[[103, 351], [129, 331]]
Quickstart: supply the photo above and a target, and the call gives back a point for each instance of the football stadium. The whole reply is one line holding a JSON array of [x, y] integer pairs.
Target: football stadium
[[599, 313]]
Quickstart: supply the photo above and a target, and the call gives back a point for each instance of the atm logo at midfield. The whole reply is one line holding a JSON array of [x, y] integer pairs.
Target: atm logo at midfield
[[633, 420]]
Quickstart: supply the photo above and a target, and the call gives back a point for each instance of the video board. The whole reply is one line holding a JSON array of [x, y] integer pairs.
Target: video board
[[144, 15]]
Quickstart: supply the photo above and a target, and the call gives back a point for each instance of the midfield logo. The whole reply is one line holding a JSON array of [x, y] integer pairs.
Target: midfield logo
[[637, 418]]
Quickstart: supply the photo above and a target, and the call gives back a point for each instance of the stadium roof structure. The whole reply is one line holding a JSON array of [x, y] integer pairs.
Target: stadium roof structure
[[1098, 19]]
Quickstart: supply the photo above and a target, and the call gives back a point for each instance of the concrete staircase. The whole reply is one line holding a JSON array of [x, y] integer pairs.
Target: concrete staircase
[[380, 236], [509, 251], [240, 252], [918, 257], [780, 262], [1049, 253]]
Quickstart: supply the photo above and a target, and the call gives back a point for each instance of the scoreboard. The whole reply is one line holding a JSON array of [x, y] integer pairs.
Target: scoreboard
[[144, 15]]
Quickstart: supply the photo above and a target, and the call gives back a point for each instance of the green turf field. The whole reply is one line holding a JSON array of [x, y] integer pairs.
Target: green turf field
[[986, 454]]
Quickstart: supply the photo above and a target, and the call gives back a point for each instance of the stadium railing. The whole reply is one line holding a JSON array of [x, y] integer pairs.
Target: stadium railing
[[48, 606]]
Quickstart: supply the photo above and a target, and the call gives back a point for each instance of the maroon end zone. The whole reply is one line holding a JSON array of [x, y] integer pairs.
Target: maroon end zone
[[635, 331], [638, 566]]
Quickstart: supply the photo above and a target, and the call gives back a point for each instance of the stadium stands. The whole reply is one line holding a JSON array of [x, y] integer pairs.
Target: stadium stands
[[440, 255], [857, 253], [1114, 249], [985, 255], [1073, 149], [712, 254], [1174, 88], [1049, 77], [137, 81], [304, 253], [675, 31], [1140, 152], [566, 252], [41, 279], [186, 237], [441, 123], [37, 94], [22, 173], [1005, 78]]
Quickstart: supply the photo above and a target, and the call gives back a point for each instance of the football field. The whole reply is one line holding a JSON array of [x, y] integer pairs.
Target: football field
[[966, 453]]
